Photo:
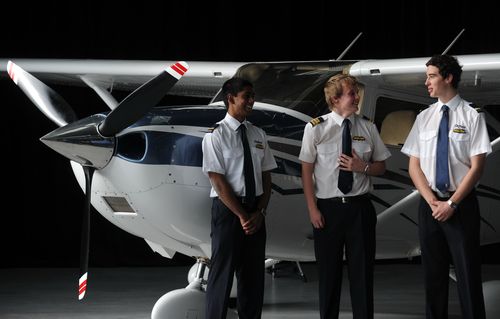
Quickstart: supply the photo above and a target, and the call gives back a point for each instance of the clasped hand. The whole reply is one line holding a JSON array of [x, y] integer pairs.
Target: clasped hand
[[251, 223], [441, 211], [354, 163]]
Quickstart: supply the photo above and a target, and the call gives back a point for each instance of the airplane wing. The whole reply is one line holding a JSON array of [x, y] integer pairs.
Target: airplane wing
[[480, 77], [204, 79]]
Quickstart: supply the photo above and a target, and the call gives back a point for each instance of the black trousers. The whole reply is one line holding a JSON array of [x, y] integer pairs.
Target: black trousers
[[455, 240], [349, 226], [234, 252]]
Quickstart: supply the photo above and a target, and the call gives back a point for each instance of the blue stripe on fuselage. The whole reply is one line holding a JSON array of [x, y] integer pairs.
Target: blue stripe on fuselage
[[166, 148], [273, 123]]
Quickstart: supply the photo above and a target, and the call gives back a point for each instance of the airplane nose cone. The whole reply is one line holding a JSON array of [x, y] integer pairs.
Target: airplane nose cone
[[81, 142]]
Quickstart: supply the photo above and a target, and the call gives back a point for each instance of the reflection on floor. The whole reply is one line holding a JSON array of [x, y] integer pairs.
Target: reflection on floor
[[38, 293]]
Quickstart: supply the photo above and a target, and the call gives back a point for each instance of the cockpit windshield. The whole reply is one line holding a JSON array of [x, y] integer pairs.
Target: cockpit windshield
[[295, 85]]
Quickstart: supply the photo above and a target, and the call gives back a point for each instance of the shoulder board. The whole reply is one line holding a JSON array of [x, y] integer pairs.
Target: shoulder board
[[423, 108], [211, 129], [475, 107], [367, 118], [317, 121]]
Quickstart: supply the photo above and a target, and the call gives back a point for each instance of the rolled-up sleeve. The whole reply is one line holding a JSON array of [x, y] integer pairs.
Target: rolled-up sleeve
[[213, 160], [480, 142], [411, 146], [380, 151], [308, 149], [268, 162]]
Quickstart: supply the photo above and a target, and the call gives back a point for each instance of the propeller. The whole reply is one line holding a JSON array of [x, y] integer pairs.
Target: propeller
[[85, 239], [91, 141], [134, 106], [47, 100]]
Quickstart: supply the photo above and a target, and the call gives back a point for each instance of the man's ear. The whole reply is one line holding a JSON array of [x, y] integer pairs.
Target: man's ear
[[449, 78], [230, 98]]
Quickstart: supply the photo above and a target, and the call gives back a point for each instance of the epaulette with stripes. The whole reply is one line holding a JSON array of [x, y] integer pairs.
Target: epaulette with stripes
[[317, 121], [478, 109], [211, 129], [367, 118]]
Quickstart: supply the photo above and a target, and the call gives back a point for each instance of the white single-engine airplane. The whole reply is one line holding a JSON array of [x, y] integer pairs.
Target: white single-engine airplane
[[140, 165]]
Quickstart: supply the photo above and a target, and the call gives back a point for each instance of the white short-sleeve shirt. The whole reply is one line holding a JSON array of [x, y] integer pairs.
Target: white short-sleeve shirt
[[223, 154], [468, 137], [322, 145]]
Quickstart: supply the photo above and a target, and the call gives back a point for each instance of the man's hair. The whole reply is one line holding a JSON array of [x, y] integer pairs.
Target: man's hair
[[333, 87], [234, 86], [447, 65]]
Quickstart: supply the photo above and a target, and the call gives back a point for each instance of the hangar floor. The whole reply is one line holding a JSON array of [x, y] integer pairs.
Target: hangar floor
[[40, 293]]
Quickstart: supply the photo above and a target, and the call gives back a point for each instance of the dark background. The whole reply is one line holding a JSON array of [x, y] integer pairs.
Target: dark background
[[42, 207]]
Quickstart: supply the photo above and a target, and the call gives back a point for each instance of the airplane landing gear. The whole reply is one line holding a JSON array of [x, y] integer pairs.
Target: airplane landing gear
[[186, 302], [189, 302]]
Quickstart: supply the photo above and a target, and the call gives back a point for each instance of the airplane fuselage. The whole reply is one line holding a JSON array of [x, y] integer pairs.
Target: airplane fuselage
[[153, 187]]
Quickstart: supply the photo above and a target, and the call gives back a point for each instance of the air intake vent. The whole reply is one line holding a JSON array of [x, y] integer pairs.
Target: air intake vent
[[118, 204]]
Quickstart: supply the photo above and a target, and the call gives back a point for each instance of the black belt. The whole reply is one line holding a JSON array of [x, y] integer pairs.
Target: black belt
[[349, 199], [244, 202], [443, 196]]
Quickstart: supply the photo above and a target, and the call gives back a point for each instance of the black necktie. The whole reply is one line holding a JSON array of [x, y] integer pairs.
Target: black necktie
[[247, 167], [345, 177], [442, 173]]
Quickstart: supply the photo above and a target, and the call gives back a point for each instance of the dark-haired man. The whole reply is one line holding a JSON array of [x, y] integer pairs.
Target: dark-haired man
[[447, 147], [238, 161]]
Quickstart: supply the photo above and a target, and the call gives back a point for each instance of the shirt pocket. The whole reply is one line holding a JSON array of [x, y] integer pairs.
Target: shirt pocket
[[257, 157], [233, 153], [257, 152], [459, 137], [328, 154], [427, 143], [232, 157], [363, 149], [460, 146]]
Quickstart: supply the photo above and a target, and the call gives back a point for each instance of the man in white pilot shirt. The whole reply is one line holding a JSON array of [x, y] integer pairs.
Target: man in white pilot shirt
[[342, 218], [449, 219], [238, 229]]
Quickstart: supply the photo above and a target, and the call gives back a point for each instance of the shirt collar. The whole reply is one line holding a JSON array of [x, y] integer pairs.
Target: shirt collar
[[452, 104], [234, 123], [339, 119]]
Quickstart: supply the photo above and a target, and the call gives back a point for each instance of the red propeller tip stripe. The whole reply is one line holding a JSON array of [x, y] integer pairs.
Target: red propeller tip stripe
[[182, 67], [10, 70], [82, 288], [178, 69]]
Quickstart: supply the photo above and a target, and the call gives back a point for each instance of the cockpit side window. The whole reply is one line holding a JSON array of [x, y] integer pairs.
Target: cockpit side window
[[394, 119], [492, 121], [296, 86]]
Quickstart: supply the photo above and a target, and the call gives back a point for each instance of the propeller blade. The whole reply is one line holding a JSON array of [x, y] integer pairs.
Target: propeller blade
[[85, 240], [134, 106], [46, 99]]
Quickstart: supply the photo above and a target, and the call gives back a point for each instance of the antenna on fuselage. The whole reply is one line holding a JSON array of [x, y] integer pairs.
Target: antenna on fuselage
[[453, 42], [348, 47]]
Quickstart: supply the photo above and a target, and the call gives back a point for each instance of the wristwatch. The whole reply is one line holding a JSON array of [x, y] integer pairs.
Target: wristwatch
[[452, 204]]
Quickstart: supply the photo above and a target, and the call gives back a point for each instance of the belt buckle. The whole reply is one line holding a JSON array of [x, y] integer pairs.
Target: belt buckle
[[443, 195], [344, 200]]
